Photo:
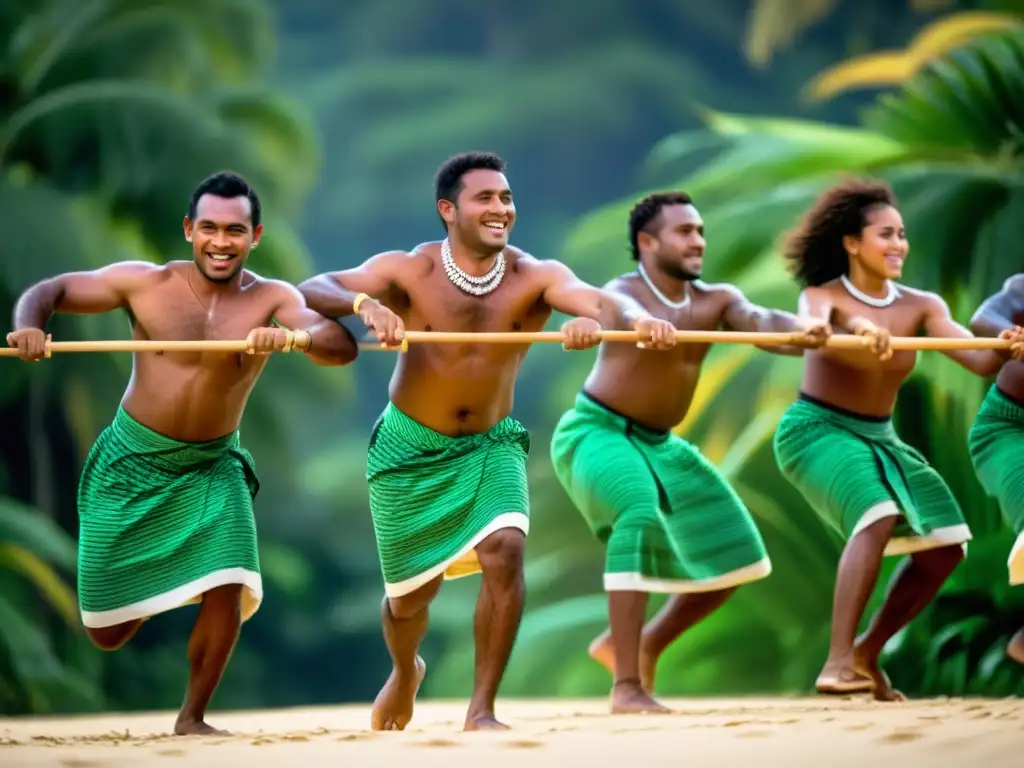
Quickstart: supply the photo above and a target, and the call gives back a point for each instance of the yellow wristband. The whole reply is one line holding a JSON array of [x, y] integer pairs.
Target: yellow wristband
[[359, 300]]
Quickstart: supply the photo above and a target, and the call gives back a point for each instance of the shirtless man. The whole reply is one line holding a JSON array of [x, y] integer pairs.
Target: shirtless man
[[997, 435], [166, 494], [447, 464], [837, 445], [669, 520]]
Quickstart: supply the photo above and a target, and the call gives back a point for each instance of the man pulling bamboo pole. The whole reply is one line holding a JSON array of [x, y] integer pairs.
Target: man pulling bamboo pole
[[166, 494]]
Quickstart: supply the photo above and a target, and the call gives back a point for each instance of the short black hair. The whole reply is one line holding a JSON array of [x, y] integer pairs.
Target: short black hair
[[814, 248], [226, 184], [448, 179], [647, 210]]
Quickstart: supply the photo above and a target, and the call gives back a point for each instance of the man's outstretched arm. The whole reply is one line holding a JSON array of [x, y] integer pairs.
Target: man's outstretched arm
[[612, 310], [74, 293], [336, 294]]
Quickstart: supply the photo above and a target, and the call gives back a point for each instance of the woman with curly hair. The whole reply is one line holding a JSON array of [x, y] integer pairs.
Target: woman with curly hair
[[836, 444]]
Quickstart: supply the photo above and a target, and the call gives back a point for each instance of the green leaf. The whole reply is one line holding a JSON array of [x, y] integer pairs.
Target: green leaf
[[26, 527]]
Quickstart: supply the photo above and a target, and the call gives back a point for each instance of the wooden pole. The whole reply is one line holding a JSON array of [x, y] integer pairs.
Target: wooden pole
[[838, 341]]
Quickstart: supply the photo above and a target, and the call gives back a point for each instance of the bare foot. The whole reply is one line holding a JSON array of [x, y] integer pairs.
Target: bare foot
[[1015, 648], [629, 698], [485, 721], [881, 686], [188, 726], [392, 709], [839, 677], [603, 653]]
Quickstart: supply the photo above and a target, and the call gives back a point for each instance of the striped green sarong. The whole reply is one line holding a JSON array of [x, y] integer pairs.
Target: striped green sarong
[[996, 441], [433, 498], [670, 522], [163, 521], [854, 470]]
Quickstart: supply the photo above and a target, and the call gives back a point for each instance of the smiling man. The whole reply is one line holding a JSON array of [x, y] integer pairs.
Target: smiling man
[[447, 464], [166, 495], [669, 521]]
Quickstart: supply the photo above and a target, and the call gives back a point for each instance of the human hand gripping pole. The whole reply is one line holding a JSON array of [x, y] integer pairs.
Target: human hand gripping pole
[[880, 339], [263, 341], [388, 326], [30, 344], [1015, 336], [811, 333]]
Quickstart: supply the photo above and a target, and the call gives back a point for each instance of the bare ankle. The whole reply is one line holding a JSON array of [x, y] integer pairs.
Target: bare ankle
[[839, 656], [188, 715], [480, 708], [626, 683]]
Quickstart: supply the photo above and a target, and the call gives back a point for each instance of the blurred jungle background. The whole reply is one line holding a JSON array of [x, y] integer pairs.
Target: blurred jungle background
[[113, 110]]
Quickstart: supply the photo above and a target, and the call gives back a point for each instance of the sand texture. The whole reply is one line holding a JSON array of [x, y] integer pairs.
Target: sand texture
[[981, 733]]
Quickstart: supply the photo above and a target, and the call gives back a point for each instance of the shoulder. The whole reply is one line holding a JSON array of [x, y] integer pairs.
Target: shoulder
[[143, 272], [146, 267], [627, 284], [1014, 285], [828, 290], [277, 289], [721, 295], [417, 261], [517, 257], [724, 291], [927, 300], [527, 264]]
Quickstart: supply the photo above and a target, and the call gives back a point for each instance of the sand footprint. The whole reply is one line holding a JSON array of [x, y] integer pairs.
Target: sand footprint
[[902, 736]]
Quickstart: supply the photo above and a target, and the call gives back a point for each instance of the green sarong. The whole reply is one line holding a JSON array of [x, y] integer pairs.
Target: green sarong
[[163, 521], [433, 498], [996, 441], [854, 470], [669, 521]]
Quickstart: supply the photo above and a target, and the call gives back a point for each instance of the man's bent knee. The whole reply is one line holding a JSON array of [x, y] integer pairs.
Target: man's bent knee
[[113, 638], [501, 553], [407, 606]]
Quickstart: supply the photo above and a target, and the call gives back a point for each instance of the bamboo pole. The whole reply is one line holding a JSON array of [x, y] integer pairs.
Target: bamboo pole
[[838, 341]]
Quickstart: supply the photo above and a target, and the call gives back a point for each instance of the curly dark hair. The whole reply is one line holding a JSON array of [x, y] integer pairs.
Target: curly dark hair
[[646, 210], [814, 248]]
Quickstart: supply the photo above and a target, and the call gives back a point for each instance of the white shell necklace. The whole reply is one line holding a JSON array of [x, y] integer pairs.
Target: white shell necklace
[[662, 297], [872, 301], [478, 286]]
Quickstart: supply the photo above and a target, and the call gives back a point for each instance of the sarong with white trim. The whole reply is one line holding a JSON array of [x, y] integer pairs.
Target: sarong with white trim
[[669, 520], [162, 521], [433, 498], [854, 470]]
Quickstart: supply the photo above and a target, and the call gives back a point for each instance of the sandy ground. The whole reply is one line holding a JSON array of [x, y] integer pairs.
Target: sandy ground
[[982, 733]]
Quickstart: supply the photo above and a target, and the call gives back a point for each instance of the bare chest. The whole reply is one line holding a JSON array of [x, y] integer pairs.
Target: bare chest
[[179, 315], [902, 318], [438, 305], [700, 313]]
